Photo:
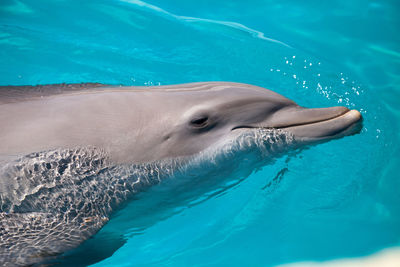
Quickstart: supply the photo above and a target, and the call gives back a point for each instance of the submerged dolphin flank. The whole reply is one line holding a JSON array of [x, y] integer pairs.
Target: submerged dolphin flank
[[71, 154]]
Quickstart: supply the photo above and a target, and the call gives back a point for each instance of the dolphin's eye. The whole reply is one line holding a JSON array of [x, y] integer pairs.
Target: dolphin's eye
[[199, 122]]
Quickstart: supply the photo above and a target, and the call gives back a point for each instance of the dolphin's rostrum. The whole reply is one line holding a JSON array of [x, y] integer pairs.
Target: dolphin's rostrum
[[71, 154]]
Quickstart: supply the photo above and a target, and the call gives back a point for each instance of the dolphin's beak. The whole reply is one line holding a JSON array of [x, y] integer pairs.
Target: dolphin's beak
[[313, 124], [318, 123]]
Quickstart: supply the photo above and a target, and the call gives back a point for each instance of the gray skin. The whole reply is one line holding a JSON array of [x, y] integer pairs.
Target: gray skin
[[70, 155]]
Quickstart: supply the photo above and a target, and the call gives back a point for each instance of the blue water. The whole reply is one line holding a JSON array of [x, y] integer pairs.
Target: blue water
[[338, 199]]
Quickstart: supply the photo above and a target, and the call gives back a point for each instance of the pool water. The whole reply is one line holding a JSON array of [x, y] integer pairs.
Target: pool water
[[335, 200]]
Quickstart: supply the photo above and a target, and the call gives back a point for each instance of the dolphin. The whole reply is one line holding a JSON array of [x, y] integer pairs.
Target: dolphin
[[73, 154]]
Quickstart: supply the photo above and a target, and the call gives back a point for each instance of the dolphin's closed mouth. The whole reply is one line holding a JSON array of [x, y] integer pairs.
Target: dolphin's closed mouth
[[339, 123], [346, 124]]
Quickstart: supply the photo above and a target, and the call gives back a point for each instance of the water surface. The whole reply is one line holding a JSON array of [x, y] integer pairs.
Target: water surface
[[338, 199]]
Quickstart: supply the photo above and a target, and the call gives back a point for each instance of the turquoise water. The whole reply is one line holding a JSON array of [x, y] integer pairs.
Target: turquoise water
[[338, 199]]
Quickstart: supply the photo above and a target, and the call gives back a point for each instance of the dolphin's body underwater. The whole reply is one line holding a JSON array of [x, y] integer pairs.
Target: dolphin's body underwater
[[70, 155]]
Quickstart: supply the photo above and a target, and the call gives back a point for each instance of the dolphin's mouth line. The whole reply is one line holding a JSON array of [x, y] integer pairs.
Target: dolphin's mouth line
[[320, 121], [355, 117]]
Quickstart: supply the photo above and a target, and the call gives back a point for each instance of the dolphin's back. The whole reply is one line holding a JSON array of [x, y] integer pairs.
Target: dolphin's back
[[17, 93], [11, 94]]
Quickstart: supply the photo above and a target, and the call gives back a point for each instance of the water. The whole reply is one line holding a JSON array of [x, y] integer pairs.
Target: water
[[335, 200]]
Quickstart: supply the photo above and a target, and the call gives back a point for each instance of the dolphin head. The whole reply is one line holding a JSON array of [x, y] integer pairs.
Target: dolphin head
[[223, 113]]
